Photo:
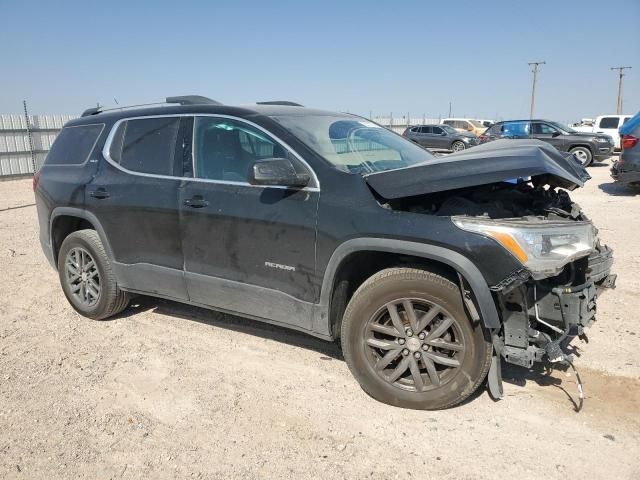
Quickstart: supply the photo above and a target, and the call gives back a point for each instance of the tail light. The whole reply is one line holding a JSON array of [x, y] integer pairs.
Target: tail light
[[482, 138], [404, 134], [629, 141], [36, 179]]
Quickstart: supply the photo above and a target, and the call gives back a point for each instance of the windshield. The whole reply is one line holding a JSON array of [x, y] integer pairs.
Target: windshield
[[563, 127], [353, 144], [448, 129]]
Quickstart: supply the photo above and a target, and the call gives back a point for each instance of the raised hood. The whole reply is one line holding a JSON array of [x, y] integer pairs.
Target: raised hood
[[492, 162]]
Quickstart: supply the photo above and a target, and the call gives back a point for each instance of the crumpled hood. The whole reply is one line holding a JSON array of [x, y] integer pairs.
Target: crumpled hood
[[491, 162]]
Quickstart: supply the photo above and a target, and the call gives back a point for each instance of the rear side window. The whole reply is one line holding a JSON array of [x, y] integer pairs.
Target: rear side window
[[146, 145], [425, 129], [449, 122], [73, 145], [609, 122]]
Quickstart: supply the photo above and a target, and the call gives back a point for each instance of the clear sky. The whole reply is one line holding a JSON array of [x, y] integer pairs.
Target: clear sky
[[357, 56]]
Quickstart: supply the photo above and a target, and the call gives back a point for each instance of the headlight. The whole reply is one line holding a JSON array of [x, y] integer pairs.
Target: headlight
[[544, 247], [602, 140]]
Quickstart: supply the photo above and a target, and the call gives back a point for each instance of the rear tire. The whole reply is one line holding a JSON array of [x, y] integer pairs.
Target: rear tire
[[583, 155], [430, 359], [87, 278]]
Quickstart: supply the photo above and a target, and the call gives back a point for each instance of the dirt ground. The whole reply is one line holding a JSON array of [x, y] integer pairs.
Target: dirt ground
[[172, 391]]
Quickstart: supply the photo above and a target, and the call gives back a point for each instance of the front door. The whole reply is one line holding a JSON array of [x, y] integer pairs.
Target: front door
[[247, 249], [547, 133]]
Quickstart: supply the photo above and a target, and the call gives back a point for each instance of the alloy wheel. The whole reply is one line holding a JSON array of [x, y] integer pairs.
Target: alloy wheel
[[83, 277], [581, 156], [414, 344], [458, 146]]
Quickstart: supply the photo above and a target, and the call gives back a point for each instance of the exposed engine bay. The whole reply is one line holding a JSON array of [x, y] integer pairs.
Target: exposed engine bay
[[501, 200], [542, 309]]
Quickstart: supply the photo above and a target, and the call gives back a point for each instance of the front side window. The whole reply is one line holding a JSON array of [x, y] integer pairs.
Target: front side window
[[225, 149], [146, 145], [543, 129], [437, 130], [73, 145], [353, 144], [609, 122]]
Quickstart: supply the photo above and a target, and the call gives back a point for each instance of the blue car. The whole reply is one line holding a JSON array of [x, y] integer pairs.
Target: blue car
[[627, 169]]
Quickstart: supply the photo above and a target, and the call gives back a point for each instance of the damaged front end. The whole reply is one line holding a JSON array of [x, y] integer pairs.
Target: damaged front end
[[516, 194]]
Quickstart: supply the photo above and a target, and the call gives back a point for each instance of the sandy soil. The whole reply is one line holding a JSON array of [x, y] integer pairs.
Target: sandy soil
[[171, 391]]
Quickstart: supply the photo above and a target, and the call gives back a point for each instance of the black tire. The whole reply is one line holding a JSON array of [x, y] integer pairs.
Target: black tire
[[109, 300], [583, 155], [458, 146], [453, 384]]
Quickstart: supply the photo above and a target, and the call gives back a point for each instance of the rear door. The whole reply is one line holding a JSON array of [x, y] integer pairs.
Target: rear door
[[247, 249], [135, 198]]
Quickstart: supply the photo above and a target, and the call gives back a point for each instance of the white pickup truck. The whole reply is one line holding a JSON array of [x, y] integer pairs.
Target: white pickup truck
[[607, 124]]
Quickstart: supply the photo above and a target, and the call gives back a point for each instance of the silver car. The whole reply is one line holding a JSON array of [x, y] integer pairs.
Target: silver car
[[440, 137]]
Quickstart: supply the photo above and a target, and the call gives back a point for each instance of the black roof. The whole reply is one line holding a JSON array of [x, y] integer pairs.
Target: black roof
[[525, 120], [163, 109]]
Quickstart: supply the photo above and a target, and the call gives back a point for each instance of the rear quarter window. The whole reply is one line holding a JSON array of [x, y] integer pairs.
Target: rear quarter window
[[609, 122], [73, 145]]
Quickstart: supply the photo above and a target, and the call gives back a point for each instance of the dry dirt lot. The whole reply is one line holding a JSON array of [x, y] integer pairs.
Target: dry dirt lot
[[171, 391]]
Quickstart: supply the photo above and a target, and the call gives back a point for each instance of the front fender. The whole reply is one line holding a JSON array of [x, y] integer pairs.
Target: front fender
[[460, 263]]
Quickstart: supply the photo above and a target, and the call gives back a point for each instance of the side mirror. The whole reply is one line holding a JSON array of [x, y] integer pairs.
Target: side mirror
[[444, 134], [555, 134], [277, 171]]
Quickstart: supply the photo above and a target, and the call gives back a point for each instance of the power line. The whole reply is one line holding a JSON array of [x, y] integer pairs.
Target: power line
[[533, 86], [620, 75]]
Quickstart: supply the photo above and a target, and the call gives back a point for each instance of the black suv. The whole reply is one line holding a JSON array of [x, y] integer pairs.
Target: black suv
[[440, 137], [586, 147], [329, 224]]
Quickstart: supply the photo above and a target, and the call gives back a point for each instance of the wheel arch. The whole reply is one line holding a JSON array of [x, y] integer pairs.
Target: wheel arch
[[582, 145], [335, 294], [66, 220]]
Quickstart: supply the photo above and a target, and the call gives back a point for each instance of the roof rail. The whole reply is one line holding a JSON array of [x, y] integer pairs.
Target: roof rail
[[192, 100], [182, 100], [91, 111], [281, 102]]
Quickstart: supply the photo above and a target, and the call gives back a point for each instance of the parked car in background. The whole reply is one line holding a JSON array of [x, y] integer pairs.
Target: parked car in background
[[586, 147], [485, 123], [464, 125], [440, 137], [607, 124], [627, 168]]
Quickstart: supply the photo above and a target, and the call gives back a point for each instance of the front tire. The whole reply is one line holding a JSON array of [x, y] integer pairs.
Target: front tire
[[458, 146], [409, 342], [583, 155], [86, 276]]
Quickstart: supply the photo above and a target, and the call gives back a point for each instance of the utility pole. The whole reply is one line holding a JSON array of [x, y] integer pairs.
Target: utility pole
[[533, 86], [620, 75]]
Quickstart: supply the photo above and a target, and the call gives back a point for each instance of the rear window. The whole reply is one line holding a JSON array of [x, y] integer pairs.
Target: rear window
[[73, 145], [609, 122], [146, 145]]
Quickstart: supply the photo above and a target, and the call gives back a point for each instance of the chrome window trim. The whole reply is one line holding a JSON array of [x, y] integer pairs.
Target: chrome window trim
[[107, 146]]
